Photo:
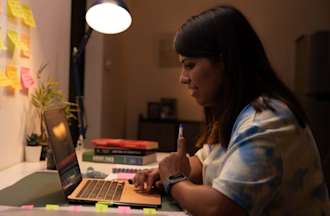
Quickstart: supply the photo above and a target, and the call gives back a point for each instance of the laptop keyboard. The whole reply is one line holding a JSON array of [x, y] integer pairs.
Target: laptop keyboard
[[102, 190]]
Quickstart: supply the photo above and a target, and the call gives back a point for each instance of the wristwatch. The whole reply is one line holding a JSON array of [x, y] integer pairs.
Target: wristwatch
[[171, 180]]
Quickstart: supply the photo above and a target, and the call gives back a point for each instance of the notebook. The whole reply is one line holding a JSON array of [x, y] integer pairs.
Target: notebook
[[79, 189]]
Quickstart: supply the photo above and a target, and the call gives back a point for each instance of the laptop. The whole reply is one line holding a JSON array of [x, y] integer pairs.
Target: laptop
[[87, 190]]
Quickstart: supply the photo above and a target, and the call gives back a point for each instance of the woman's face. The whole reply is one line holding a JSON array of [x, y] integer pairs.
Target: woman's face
[[202, 78]]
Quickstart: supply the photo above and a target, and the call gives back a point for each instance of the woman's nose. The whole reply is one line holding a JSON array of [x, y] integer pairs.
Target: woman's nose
[[184, 79]]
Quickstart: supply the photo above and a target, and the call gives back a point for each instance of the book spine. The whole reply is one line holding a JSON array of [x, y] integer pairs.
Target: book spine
[[107, 151], [118, 159]]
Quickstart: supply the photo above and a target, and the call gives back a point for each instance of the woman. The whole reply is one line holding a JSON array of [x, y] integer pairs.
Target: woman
[[257, 155]]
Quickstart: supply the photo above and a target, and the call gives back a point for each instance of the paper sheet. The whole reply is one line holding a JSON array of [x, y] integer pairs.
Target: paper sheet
[[14, 9], [13, 77], [2, 45], [26, 45], [14, 39], [28, 18], [26, 77], [4, 81]]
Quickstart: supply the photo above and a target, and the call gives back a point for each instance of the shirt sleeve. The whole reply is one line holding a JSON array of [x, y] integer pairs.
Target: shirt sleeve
[[202, 153], [252, 172]]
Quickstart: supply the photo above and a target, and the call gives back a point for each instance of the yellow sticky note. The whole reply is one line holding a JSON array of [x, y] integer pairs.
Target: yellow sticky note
[[2, 45], [12, 35], [52, 207], [14, 8], [149, 211], [11, 72], [4, 81], [25, 46], [28, 18], [101, 207]]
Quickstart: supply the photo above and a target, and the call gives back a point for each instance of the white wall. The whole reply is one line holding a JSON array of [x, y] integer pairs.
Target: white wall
[[50, 43]]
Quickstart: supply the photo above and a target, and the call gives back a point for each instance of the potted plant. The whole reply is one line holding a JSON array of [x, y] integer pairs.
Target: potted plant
[[48, 95], [32, 148]]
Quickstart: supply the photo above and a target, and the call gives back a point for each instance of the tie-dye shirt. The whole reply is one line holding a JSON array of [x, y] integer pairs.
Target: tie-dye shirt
[[271, 166]]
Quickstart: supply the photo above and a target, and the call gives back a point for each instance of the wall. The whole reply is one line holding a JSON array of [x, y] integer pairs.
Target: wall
[[131, 73], [50, 43]]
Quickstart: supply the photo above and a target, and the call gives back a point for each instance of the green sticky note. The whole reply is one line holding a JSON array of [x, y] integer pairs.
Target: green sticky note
[[101, 207], [149, 211], [108, 203], [52, 207]]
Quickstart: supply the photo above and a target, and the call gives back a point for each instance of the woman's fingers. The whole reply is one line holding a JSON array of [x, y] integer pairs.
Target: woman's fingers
[[145, 177], [151, 179], [139, 179]]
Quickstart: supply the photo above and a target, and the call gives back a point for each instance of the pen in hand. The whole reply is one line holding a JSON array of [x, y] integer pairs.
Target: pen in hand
[[180, 134], [181, 145]]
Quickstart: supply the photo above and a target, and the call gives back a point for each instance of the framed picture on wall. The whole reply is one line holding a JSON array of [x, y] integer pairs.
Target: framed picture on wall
[[167, 57]]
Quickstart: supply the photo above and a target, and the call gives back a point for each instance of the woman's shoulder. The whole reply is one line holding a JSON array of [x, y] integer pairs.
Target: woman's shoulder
[[276, 113]]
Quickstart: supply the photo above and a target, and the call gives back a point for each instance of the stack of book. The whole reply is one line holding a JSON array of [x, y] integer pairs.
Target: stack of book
[[122, 151]]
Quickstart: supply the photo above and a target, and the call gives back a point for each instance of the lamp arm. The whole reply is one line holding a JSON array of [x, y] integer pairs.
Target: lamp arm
[[76, 55]]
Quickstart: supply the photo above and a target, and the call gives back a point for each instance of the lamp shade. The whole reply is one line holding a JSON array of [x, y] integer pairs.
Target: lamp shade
[[109, 16]]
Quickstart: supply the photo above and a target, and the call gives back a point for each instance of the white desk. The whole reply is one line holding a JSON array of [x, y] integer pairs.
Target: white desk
[[15, 173]]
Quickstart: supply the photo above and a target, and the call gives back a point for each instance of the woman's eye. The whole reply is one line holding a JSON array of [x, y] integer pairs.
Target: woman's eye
[[189, 66]]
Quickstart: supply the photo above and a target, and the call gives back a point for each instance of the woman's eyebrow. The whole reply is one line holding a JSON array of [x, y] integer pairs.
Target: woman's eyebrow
[[183, 60]]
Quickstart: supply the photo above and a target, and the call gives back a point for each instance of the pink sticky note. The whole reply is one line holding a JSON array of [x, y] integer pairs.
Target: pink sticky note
[[76, 208], [125, 175], [27, 206], [27, 79], [124, 209]]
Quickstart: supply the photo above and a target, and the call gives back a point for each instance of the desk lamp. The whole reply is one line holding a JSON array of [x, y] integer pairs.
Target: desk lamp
[[105, 16]]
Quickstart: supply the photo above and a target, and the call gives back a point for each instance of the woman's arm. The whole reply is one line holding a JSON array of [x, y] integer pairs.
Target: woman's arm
[[204, 200], [195, 174]]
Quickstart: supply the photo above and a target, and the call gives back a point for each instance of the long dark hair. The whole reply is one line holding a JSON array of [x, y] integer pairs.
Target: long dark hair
[[224, 34]]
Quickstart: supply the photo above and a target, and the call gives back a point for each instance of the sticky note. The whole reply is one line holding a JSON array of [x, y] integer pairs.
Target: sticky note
[[25, 46], [149, 211], [124, 210], [26, 78], [76, 208], [14, 8], [4, 81], [108, 203], [11, 72], [52, 207], [2, 45], [13, 37], [28, 18], [101, 207], [27, 206], [125, 175]]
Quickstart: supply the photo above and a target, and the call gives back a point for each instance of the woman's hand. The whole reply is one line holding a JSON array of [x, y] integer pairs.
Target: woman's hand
[[176, 162], [146, 179]]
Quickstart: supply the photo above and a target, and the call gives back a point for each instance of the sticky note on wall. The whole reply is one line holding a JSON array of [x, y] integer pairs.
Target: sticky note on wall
[[14, 39], [26, 77], [14, 9], [25, 46], [2, 45], [4, 80], [11, 72], [28, 18]]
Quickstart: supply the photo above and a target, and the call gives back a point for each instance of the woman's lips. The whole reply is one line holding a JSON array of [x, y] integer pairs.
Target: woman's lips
[[194, 92]]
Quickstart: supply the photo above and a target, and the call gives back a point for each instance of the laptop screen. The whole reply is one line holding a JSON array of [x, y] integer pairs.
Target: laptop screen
[[60, 142]]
